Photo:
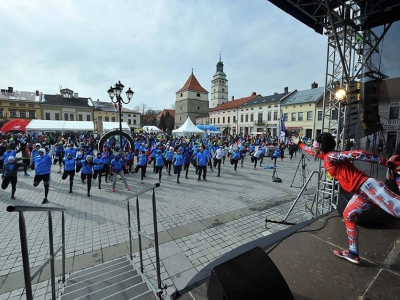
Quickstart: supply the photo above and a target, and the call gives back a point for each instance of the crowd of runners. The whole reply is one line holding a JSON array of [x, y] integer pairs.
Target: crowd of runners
[[162, 155]]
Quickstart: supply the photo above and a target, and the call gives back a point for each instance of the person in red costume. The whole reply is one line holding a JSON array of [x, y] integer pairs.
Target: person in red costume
[[366, 190]]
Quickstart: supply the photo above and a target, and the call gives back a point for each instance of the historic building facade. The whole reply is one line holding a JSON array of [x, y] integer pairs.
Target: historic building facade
[[219, 86], [191, 101]]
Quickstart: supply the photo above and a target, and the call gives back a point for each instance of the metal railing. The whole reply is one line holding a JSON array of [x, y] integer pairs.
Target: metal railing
[[140, 234], [24, 247]]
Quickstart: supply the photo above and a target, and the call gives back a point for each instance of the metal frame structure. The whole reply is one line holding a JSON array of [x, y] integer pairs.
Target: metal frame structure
[[351, 43]]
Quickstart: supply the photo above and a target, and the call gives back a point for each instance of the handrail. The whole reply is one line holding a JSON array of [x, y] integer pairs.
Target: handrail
[[140, 234], [12, 208], [24, 247]]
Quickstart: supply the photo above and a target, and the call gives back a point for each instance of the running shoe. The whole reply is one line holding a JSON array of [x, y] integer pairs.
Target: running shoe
[[346, 254], [128, 189], [112, 190]]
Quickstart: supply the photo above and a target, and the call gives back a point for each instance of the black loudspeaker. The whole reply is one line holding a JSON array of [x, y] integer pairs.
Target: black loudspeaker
[[370, 107], [251, 275]]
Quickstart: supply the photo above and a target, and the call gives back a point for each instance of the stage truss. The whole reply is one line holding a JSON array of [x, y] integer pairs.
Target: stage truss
[[351, 44]]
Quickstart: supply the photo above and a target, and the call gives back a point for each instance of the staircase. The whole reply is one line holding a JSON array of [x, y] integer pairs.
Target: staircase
[[116, 280]]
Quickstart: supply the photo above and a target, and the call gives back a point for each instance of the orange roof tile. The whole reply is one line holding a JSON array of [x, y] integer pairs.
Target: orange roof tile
[[234, 104], [193, 85], [171, 112]]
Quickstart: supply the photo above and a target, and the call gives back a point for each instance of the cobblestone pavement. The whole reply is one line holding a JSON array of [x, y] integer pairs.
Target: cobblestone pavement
[[197, 221]]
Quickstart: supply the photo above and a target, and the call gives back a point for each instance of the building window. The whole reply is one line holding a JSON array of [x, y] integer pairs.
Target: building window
[[241, 118], [309, 115], [22, 105], [269, 116], [218, 120], [66, 116], [47, 116], [300, 116], [198, 94], [223, 120], [31, 105], [320, 116], [229, 119], [106, 119], [87, 117], [80, 117], [234, 119], [12, 104], [32, 114], [246, 118], [129, 122], [285, 117], [129, 115], [394, 112], [134, 122], [293, 117], [57, 116], [71, 117], [275, 115], [22, 114], [1, 113], [13, 113], [112, 119], [251, 117]]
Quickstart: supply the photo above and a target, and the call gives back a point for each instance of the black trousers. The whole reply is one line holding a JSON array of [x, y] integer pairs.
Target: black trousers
[[202, 169], [6, 182]]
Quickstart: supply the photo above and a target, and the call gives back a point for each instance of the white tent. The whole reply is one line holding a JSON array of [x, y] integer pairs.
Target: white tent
[[53, 125], [151, 129], [110, 126], [188, 128]]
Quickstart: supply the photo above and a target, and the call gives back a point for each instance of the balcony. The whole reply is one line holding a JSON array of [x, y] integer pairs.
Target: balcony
[[260, 122]]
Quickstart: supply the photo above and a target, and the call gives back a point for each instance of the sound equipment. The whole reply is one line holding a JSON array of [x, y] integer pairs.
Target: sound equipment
[[251, 275], [370, 107]]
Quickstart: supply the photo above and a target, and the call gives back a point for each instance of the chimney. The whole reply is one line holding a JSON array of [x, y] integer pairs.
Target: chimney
[[314, 85], [98, 100], [286, 90], [75, 95], [233, 98], [37, 92], [10, 89], [253, 93]]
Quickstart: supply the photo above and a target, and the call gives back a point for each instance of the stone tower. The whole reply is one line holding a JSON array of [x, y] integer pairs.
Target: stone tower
[[219, 86], [191, 101]]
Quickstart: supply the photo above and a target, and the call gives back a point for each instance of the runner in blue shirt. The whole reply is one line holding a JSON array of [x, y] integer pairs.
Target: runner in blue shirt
[[117, 169], [42, 170], [159, 163], [98, 167], [69, 170], [178, 163], [87, 172]]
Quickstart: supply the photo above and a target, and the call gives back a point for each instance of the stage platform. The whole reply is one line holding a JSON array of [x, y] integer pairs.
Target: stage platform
[[312, 271]]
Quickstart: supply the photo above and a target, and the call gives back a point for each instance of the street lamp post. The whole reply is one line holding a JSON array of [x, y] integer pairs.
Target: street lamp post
[[116, 92]]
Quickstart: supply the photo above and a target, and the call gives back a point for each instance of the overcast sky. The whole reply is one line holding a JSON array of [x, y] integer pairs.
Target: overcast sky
[[152, 46]]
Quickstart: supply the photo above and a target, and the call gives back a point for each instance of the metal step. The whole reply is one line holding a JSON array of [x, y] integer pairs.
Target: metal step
[[113, 280], [93, 269]]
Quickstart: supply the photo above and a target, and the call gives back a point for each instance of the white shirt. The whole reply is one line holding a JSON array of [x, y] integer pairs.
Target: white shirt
[[220, 153]]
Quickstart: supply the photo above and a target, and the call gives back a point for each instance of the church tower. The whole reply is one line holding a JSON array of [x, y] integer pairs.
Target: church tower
[[219, 86], [190, 101]]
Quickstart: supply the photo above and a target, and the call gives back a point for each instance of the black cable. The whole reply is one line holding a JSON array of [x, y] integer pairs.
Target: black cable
[[311, 230]]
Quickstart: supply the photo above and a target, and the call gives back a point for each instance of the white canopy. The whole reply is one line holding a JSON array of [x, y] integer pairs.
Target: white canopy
[[151, 129], [53, 125], [187, 128], [110, 126]]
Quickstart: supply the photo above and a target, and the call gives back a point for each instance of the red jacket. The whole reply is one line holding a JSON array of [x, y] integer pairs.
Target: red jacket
[[340, 166]]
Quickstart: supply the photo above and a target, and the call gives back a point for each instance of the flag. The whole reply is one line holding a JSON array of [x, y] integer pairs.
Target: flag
[[283, 127]]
